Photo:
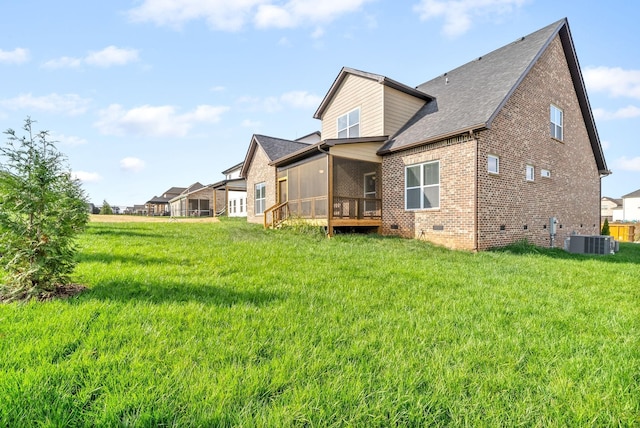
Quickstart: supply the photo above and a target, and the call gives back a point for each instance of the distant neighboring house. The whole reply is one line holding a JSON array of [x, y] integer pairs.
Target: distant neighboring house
[[479, 157], [260, 172], [610, 209], [139, 210], [631, 206], [159, 205], [195, 201], [231, 193]]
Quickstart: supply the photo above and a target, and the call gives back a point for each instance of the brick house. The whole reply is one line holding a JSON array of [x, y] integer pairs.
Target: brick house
[[260, 174], [195, 201], [481, 156]]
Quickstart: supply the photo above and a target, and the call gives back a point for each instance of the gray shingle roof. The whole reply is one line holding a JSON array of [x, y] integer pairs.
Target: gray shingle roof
[[469, 96], [275, 148], [635, 194]]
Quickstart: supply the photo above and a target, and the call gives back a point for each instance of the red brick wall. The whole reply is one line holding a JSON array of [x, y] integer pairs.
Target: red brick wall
[[520, 135], [451, 225], [259, 171]]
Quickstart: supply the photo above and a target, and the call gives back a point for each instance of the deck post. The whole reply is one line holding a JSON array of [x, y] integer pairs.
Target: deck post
[[330, 195]]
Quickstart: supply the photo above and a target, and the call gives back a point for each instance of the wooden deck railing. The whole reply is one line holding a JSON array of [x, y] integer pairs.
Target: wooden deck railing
[[279, 213], [356, 208]]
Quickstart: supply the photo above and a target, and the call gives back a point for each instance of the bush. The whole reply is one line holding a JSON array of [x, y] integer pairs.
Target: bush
[[42, 209], [605, 228]]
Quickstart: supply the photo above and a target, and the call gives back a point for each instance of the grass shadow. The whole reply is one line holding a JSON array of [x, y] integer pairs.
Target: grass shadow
[[629, 253], [158, 292], [109, 258]]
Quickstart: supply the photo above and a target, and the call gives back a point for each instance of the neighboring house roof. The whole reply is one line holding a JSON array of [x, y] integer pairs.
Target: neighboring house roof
[[312, 137], [158, 200], [378, 78], [233, 168], [237, 184], [613, 200], [274, 148], [469, 97], [193, 188], [635, 194]]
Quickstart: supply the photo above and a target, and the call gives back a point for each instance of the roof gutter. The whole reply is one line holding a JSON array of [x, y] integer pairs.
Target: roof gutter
[[468, 130]]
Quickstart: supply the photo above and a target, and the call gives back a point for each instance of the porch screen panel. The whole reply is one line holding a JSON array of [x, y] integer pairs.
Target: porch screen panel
[[308, 188]]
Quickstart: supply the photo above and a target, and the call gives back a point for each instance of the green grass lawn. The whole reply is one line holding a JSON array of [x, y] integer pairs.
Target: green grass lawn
[[226, 324]]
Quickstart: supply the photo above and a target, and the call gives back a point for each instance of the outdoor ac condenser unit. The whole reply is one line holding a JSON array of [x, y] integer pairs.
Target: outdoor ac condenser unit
[[591, 244]]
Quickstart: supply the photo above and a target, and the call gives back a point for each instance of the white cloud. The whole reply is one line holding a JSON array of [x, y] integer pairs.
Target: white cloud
[[107, 57], [218, 89], [234, 15], [459, 14], [68, 140], [628, 164], [220, 14], [112, 55], [63, 62], [615, 81], [132, 164], [301, 99], [16, 56], [296, 13], [247, 123], [70, 104], [293, 99], [86, 177], [155, 121], [628, 112]]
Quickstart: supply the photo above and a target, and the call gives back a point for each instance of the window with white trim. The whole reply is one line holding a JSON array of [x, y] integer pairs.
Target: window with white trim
[[530, 173], [241, 205], [261, 198], [557, 122], [545, 173], [349, 124], [422, 186], [493, 164]]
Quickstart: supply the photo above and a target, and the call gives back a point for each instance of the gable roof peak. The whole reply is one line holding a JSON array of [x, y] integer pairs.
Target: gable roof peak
[[383, 80]]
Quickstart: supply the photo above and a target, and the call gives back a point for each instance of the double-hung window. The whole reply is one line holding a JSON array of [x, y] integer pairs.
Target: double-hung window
[[530, 173], [557, 122], [493, 164], [422, 186], [261, 198], [349, 124]]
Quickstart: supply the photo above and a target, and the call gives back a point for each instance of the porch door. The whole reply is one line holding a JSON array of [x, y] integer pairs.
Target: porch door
[[370, 191], [282, 191]]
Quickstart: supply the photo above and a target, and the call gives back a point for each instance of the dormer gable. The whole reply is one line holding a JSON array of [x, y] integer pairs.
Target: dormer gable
[[361, 104]]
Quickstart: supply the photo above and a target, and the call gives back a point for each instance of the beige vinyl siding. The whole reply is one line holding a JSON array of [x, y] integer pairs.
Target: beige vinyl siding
[[362, 151], [398, 109], [356, 92]]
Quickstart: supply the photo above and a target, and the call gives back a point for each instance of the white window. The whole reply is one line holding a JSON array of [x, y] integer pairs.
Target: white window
[[530, 172], [349, 124], [545, 173], [557, 121], [422, 186], [493, 164], [261, 198], [241, 205]]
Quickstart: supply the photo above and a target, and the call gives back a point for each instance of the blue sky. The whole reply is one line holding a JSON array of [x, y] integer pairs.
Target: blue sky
[[149, 94]]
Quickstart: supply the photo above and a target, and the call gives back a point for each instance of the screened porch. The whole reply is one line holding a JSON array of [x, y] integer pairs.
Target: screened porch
[[304, 190]]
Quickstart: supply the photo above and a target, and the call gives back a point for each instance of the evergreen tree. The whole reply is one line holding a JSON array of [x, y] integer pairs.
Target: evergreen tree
[[42, 209], [106, 208], [605, 227]]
